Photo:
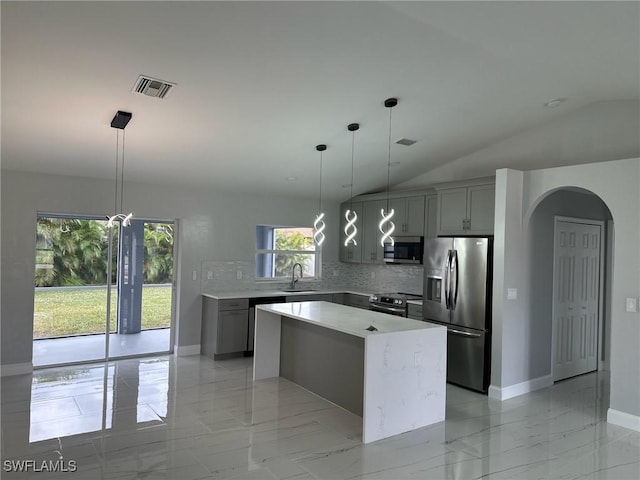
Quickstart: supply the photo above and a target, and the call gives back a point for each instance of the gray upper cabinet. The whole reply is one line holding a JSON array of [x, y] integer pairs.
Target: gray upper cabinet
[[481, 207], [352, 253], [431, 216], [372, 251], [409, 215], [413, 215], [466, 210]]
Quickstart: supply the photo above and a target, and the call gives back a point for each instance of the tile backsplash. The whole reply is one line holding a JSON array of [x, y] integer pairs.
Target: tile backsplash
[[232, 276]]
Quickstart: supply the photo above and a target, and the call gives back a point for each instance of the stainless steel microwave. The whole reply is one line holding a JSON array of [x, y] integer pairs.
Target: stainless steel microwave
[[404, 250]]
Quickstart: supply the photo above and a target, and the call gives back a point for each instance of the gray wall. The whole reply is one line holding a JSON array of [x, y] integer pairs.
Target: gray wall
[[517, 196], [541, 234], [212, 225]]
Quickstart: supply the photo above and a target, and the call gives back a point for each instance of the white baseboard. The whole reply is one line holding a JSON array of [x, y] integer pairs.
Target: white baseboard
[[186, 350], [16, 369], [623, 419], [504, 393]]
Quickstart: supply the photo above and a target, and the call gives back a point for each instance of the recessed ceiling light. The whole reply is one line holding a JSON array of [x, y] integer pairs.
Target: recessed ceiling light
[[555, 102], [291, 179]]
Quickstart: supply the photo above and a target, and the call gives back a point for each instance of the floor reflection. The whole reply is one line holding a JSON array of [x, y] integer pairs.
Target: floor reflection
[[79, 400], [191, 418]]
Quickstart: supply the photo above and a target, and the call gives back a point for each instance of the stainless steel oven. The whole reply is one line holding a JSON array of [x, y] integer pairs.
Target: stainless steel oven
[[391, 303]]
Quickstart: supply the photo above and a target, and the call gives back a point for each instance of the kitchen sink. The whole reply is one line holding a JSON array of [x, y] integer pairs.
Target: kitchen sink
[[297, 290]]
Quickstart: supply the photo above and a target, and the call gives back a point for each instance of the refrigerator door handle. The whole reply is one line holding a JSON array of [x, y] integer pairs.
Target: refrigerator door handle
[[454, 261], [447, 278], [463, 334]]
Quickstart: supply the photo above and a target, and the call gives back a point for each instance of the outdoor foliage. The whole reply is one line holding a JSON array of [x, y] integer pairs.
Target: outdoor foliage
[[293, 239], [73, 252]]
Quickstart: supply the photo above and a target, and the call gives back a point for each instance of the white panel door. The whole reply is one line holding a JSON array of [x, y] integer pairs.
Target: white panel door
[[576, 299]]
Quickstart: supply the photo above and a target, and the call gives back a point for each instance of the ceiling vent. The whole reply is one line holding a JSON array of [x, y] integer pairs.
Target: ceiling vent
[[152, 87], [407, 142]]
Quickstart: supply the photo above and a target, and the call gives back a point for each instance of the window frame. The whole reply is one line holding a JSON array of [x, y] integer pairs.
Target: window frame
[[317, 252]]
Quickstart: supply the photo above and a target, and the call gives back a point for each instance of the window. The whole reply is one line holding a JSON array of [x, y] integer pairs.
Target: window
[[278, 249]]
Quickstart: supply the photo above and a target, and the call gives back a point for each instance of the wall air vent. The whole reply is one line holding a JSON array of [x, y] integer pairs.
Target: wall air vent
[[152, 87], [407, 142]]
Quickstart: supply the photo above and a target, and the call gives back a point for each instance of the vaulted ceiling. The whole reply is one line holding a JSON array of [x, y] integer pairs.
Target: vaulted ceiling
[[259, 84]]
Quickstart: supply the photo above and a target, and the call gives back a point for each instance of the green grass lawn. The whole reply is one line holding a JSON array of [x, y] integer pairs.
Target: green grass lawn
[[81, 311]]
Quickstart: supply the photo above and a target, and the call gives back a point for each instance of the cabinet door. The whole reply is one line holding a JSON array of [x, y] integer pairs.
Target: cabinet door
[[452, 211], [414, 224], [399, 206], [311, 297], [431, 216], [232, 331], [371, 249], [352, 253], [357, 301], [480, 208]]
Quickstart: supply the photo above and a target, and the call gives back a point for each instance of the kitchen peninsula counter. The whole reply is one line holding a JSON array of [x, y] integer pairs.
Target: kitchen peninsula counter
[[389, 370]]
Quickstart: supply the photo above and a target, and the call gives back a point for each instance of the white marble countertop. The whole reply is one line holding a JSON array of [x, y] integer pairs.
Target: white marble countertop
[[276, 293], [341, 318]]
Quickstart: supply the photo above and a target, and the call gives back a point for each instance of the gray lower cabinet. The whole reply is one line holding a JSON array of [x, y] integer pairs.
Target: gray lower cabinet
[[358, 301], [312, 297], [339, 298], [228, 325], [225, 325], [414, 311]]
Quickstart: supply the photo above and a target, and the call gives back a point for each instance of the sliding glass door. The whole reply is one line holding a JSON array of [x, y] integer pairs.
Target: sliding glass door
[[145, 289], [70, 298]]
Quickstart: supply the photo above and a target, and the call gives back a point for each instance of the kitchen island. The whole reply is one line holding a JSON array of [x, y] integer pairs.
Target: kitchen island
[[389, 370]]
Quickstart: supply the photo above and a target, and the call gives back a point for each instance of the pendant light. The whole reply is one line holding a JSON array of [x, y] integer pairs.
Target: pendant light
[[350, 229], [386, 226], [318, 223], [119, 122]]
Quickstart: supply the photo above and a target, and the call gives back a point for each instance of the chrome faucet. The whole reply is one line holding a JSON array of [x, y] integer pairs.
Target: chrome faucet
[[293, 274]]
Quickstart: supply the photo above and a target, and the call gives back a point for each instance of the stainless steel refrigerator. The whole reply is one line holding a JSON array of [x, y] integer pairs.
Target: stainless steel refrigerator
[[457, 294]]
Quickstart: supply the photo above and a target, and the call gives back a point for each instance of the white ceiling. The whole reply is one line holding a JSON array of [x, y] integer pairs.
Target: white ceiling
[[261, 83]]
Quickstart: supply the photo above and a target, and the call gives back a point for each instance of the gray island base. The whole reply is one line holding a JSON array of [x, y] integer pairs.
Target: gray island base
[[393, 376]]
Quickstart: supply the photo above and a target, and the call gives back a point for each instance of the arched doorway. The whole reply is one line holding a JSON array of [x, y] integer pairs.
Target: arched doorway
[[553, 333]]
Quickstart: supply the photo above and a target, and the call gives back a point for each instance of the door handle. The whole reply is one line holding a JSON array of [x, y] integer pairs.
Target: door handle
[[454, 261], [463, 334], [447, 276]]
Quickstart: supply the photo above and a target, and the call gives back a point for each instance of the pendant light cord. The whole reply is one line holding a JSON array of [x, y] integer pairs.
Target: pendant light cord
[[122, 176], [320, 187], [389, 161], [353, 142], [115, 200]]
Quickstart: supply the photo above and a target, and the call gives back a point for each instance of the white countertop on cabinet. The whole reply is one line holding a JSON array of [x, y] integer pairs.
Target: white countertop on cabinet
[[341, 318]]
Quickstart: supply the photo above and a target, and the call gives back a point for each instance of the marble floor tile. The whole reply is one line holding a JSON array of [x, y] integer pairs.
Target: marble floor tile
[[191, 418]]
